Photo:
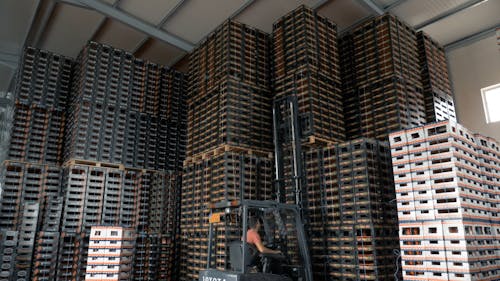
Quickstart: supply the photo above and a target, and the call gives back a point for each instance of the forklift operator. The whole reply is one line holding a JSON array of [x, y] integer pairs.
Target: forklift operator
[[253, 237]]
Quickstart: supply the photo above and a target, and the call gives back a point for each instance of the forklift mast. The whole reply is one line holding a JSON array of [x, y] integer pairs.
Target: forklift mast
[[289, 169]]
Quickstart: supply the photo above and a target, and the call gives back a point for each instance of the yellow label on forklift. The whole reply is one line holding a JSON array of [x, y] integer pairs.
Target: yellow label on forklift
[[214, 218]]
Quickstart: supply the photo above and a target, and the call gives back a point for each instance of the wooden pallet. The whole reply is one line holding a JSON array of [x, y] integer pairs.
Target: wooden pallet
[[74, 162], [227, 148], [318, 141]]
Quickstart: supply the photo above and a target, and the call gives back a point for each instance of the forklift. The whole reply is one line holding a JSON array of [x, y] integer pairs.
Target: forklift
[[283, 230], [283, 223]]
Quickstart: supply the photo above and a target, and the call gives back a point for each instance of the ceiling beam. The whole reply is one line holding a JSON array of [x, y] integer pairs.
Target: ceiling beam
[[12, 60], [372, 5], [394, 5], [319, 4], [355, 24], [232, 16], [136, 23], [102, 22], [177, 59], [241, 8], [97, 30], [448, 13], [36, 14], [35, 35], [160, 24], [471, 38], [238, 11], [75, 3]]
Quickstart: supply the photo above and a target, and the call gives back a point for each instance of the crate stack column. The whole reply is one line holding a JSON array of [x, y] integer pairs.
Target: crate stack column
[[30, 174], [382, 92], [352, 211], [306, 65], [124, 145], [348, 190], [111, 249], [306, 74], [439, 103], [306, 69], [447, 182], [382, 86], [229, 148], [47, 241]]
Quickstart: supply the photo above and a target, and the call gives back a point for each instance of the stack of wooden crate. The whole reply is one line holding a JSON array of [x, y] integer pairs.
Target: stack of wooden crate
[[110, 150], [124, 147], [382, 87], [439, 103], [41, 94], [229, 95], [30, 175], [306, 65], [351, 210], [125, 110], [305, 69], [346, 187], [229, 147]]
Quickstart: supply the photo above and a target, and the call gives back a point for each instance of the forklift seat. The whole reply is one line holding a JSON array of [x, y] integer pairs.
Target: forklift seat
[[236, 255]]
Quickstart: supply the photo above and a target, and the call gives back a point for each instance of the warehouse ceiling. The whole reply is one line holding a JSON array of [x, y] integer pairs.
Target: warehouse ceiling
[[164, 31]]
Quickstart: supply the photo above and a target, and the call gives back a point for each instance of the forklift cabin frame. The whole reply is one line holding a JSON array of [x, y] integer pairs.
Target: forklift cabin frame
[[255, 204]]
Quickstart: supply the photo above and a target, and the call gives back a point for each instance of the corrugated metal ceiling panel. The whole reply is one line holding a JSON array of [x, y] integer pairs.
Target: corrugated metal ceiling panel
[[5, 76], [384, 3], [416, 12], [196, 18], [262, 14], [70, 26], [162, 53], [344, 12], [15, 28], [465, 23], [69, 29], [151, 11], [119, 35]]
